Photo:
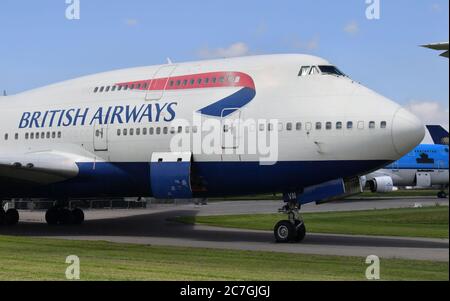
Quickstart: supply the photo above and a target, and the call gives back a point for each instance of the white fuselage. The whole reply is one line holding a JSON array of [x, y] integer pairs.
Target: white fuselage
[[75, 118]]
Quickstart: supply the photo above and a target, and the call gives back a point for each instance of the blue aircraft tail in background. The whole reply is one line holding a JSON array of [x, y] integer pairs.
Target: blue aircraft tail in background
[[439, 134]]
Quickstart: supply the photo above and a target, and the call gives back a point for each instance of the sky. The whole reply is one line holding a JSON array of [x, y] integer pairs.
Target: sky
[[40, 45]]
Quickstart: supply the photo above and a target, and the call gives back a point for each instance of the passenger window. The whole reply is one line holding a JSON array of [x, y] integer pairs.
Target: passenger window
[[102, 89], [32, 136], [298, 126], [119, 88], [361, 125], [280, 126], [349, 125], [125, 132], [289, 126], [372, 125], [304, 71], [96, 90], [329, 126], [192, 82], [27, 136], [119, 132], [262, 127], [59, 134], [383, 124], [318, 125], [151, 131], [131, 132], [138, 132], [42, 135], [16, 136], [48, 135], [113, 88], [53, 135], [338, 125], [144, 131], [158, 131], [107, 89], [308, 126], [180, 129]]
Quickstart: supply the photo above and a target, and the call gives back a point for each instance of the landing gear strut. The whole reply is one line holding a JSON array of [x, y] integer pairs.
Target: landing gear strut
[[292, 230], [64, 216]]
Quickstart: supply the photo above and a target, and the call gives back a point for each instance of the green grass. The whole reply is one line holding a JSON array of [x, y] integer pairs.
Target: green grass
[[429, 222], [44, 259], [366, 194]]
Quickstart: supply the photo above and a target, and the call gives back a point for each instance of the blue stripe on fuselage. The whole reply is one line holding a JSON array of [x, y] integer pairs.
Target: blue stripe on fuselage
[[218, 178]]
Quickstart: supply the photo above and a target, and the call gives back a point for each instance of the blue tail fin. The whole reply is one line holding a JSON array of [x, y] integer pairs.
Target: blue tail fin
[[439, 134]]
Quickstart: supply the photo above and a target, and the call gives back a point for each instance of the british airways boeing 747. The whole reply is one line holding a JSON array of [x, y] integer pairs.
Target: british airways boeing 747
[[293, 124]]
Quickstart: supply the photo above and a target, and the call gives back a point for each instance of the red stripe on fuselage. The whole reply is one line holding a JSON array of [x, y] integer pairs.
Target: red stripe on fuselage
[[195, 81]]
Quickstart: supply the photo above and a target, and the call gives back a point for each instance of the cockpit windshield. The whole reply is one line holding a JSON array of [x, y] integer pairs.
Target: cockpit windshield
[[332, 70]]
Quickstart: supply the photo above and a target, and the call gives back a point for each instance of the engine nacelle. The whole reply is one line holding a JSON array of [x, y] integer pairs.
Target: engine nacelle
[[381, 184]]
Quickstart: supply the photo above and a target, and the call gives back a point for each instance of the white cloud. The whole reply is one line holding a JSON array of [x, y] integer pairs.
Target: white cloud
[[430, 112], [131, 22], [234, 50], [311, 44], [352, 28], [436, 7]]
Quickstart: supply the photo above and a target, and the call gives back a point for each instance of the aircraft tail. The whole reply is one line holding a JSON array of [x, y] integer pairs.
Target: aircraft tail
[[439, 134]]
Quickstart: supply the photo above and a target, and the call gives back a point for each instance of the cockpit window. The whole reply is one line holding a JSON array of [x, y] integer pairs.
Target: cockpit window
[[304, 71], [331, 70]]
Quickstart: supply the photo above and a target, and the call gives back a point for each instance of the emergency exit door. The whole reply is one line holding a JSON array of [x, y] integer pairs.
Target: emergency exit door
[[100, 137]]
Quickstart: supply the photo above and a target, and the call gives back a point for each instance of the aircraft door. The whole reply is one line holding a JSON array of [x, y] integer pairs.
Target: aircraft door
[[230, 128], [423, 179], [100, 137], [159, 82]]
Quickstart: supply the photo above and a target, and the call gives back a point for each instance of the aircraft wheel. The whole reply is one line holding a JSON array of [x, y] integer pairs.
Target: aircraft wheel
[[12, 217], [51, 216], [2, 216], [300, 231], [65, 217], [284, 231], [77, 216], [442, 195]]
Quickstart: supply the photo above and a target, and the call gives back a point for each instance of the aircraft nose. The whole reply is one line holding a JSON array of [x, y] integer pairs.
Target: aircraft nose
[[407, 131]]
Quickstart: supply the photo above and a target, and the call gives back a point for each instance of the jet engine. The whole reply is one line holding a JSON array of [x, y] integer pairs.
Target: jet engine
[[381, 184]]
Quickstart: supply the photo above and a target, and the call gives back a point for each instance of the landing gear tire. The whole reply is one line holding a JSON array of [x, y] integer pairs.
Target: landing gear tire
[[2, 216], [52, 216], [11, 217], [442, 195], [65, 217], [77, 216], [300, 231], [284, 232]]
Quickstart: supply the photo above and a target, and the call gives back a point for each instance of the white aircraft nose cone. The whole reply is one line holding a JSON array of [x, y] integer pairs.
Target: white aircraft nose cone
[[407, 131]]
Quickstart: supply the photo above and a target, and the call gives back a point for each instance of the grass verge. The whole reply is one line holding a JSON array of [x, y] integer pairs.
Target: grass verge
[[431, 222], [44, 259]]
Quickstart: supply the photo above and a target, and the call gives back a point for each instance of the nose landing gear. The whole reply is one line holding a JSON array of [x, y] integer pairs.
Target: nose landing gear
[[293, 229]]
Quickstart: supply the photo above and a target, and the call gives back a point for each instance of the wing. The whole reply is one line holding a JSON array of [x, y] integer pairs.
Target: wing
[[45, 167], [440, 47]]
